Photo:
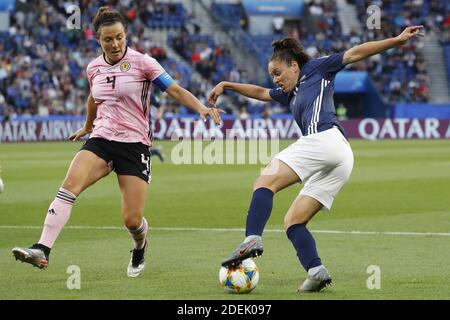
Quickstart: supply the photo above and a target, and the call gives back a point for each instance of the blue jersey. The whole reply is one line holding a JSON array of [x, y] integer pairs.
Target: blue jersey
[[311, 101]]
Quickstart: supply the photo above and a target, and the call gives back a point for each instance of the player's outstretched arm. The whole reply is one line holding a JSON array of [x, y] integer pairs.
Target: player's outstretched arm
[[248, 90], [371, 48], [188, 99], [90, 117]]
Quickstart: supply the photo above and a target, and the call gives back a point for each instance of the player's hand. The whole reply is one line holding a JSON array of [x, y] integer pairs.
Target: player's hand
[[213, 113], [80, 134], [409, 33], [215, 94]]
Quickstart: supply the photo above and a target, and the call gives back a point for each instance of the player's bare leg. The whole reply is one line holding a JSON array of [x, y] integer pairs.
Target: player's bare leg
[[134, 196], [86, 168]]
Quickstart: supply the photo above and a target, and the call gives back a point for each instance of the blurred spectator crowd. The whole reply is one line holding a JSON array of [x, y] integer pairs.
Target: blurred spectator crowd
[[42, 63], [399, 74]]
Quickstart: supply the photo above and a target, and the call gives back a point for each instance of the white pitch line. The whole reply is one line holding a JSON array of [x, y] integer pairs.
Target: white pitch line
[[352, 232]]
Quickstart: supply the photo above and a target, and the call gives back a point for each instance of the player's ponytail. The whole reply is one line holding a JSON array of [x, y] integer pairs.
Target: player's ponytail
[[289, 50], [107, 17]]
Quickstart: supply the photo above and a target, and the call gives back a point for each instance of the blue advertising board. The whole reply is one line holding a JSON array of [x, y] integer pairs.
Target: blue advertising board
[[7, 5], [273, 7], [351, 82]]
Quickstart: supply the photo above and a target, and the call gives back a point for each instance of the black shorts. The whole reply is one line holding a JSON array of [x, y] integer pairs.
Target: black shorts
[[132, 159]]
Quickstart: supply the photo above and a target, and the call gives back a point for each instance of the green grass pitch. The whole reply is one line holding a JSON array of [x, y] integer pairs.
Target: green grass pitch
[[397, 202]]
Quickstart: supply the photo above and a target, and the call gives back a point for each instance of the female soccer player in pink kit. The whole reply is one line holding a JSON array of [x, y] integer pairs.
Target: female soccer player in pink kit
[[118, 123]]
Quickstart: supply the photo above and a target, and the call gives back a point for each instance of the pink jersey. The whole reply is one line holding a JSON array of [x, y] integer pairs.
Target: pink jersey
[[122, 94]]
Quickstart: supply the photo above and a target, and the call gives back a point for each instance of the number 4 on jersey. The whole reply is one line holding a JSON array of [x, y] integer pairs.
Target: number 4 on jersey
[[111, 80]]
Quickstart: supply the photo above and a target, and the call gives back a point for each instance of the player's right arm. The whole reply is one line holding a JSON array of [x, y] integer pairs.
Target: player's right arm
[[248, 90], [91, 114]]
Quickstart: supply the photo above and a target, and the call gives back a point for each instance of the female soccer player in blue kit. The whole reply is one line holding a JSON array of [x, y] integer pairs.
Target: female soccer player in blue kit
[[322, 158]]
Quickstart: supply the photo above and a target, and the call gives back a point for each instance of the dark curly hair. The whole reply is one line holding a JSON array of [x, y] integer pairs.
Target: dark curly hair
[[107, 17], [289, 50]]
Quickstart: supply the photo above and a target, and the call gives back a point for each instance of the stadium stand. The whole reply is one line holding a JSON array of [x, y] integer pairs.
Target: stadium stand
[[400, 75], [42, 64]]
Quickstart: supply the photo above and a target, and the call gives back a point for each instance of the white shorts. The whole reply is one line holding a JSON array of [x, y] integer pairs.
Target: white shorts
[[323, 161]]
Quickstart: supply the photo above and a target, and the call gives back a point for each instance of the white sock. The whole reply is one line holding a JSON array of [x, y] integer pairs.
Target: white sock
[[249, 238]]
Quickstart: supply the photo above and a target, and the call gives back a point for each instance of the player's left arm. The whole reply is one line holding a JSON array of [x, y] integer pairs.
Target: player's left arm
[[371, 48], [186, 98]]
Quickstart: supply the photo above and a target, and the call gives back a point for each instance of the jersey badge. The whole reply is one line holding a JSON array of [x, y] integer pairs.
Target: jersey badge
[[125, 66]]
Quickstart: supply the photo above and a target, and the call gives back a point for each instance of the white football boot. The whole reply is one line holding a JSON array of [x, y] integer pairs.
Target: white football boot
[[318, 278], [137, 261], [31, 255]]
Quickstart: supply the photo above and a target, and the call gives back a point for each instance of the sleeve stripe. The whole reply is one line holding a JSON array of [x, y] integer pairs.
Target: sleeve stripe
[[144, 95]]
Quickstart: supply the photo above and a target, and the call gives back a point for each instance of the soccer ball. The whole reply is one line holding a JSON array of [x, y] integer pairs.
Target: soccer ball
[[240, 279], [2, 186]]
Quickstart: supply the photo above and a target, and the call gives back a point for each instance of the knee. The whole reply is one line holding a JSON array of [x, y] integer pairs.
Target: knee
[[71, 185], [132, 222], [263, 182], [287, 222], [290, 220]]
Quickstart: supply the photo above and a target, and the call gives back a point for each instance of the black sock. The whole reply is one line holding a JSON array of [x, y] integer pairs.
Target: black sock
[[45, 249]]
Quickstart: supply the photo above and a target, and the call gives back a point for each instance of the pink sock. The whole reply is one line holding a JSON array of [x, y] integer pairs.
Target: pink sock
[[57, 216], [139, 235]]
